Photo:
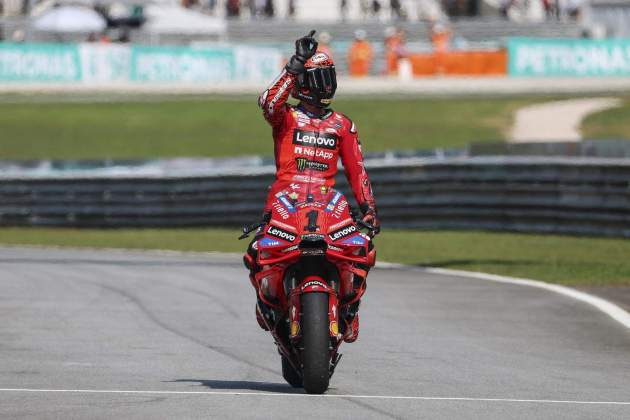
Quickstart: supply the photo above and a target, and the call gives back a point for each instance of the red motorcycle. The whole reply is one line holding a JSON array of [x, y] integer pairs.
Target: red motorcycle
[[310, 252]]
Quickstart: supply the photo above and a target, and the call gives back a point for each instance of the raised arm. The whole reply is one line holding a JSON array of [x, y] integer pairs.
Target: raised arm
[[273, 100]]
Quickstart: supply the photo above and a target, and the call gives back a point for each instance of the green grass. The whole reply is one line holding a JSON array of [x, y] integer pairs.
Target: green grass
[[610, 124], [228, 126], [576, 261]]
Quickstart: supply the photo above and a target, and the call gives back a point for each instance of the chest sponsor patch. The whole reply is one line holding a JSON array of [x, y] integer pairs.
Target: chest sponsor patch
[[342, 232], [313, 152], [303, 164], [314, 139], [280, 233]]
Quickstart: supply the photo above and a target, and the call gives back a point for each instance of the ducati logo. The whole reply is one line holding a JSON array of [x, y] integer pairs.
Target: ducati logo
[[301, 164]]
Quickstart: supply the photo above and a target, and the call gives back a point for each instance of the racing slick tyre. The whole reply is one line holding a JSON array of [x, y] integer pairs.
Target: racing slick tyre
[[316, 341], [290, 375]]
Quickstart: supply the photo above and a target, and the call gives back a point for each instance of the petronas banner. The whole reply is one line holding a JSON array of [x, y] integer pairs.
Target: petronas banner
[[568, 57], [99, 63]]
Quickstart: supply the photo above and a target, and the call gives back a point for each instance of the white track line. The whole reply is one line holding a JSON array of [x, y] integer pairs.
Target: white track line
[[279, 394], [609, 308], [615, 312]]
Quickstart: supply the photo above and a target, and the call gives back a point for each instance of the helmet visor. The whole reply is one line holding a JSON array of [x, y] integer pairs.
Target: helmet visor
[[321, 81]]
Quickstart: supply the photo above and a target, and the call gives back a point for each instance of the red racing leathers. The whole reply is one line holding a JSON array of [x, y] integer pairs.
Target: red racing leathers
[[307, 148]]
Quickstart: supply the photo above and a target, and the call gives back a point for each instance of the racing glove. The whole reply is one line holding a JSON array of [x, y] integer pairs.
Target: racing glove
[[305, 48], [370, 217]]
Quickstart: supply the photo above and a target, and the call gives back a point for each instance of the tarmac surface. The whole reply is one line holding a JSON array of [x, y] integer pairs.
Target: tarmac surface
[[135, 335]]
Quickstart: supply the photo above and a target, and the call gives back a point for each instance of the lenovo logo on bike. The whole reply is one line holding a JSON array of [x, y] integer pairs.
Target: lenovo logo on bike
[[281, 234], [314, 283], [342, 233], [311, 138], [302, 164]]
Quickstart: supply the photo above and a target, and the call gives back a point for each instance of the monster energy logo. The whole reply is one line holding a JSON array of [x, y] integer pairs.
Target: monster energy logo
[[302, 164]]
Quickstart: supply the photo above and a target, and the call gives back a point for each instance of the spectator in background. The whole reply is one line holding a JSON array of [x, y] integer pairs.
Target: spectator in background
[[211, 6], [376, 7], [323, 40], [396, 8], [365, 8], [260, 7], [291, 9], [394, 49], [269, 9], [343, 9], [360, 55], [233, 8], [189, 4], [440, 37]]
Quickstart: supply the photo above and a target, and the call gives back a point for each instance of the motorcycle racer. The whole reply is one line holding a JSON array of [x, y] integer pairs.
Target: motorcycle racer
[[310, 138]]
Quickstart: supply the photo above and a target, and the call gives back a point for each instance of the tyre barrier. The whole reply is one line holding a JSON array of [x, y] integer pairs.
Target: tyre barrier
[[586, 196]]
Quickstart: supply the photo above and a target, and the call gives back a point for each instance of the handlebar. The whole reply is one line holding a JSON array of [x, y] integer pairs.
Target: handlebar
[[354, 213], [247, 229], [367, 226], [356, 216]]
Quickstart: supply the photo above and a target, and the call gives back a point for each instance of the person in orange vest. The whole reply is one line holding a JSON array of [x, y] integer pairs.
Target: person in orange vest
[[324, 44], [360, 55], [394, 49], [440, 37]]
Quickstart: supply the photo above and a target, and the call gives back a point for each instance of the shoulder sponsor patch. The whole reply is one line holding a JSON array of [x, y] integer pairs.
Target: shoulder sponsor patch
[[286, 203], [333, 201], [353, 128]]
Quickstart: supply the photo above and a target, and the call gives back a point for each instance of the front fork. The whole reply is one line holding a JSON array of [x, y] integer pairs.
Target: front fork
[[313, 284]]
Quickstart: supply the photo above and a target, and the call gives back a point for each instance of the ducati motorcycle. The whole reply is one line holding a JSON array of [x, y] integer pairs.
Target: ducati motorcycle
[[312, 258]]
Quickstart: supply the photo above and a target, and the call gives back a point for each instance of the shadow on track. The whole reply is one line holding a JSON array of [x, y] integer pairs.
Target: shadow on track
[[244, 385]]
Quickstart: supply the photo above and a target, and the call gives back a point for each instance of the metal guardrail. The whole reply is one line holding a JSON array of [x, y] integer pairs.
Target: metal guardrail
[[530, 194]]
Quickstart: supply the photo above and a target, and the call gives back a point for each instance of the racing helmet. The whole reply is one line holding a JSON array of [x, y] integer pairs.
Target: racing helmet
[[318, 83]]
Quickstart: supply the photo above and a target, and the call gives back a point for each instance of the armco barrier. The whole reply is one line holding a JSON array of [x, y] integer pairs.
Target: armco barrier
[[563, 195]]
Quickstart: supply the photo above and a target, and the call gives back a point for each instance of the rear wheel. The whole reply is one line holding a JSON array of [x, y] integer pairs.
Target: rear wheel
[[290, 375], [316, 341]]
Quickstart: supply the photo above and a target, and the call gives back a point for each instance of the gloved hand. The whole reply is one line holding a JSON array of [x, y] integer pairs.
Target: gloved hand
[[305, 48], [370, 217]]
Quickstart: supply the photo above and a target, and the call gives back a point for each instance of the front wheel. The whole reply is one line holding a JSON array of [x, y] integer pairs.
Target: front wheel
[[316, 342]]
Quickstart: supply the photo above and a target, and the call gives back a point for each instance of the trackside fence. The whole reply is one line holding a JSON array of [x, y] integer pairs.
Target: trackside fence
[[530, 194]]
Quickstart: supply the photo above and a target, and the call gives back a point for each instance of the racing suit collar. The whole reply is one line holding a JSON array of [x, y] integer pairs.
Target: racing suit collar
[[327, 112]]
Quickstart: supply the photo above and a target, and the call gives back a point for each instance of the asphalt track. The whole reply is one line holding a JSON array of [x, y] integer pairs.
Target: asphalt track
[[105, 334]]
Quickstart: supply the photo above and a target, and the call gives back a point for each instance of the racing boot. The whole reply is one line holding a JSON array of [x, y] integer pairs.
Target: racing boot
[[352, 323], [352, 331], [259, 318]]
